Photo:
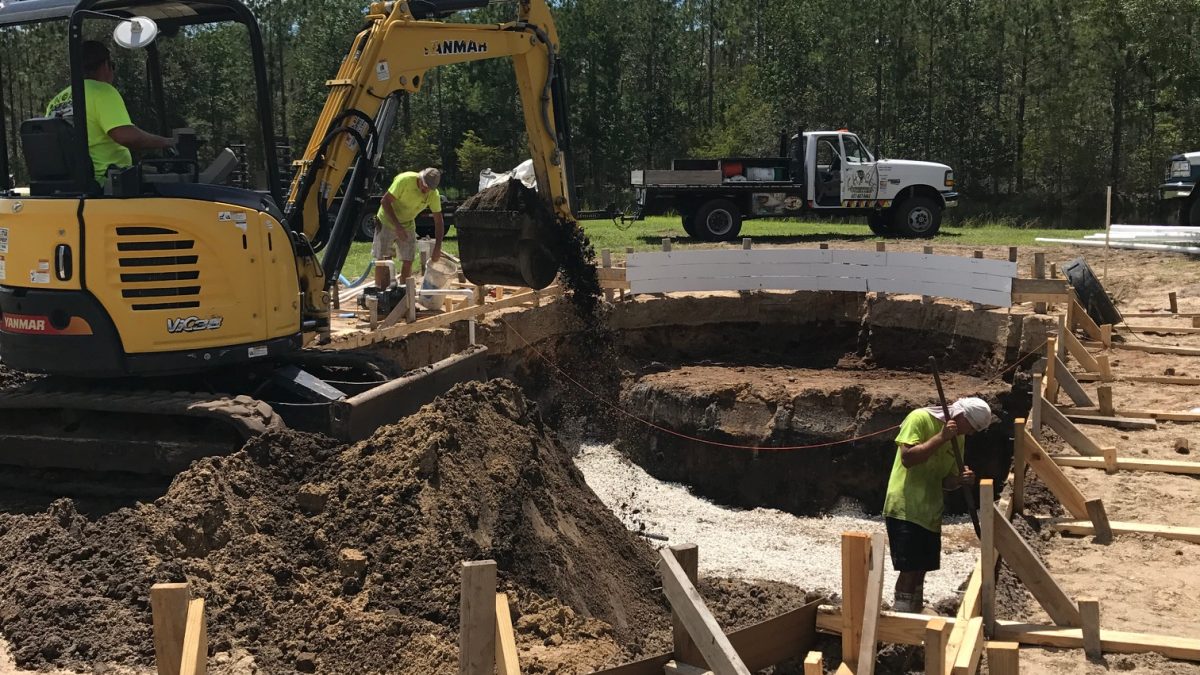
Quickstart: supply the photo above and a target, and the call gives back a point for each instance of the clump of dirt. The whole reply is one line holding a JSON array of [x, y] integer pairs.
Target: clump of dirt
[[315, 556], [572, 246]]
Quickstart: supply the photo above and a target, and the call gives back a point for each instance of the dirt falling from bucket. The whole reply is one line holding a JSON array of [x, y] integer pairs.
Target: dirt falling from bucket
[[572, 246]]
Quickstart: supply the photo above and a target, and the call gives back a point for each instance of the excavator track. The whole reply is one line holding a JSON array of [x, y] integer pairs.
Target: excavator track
[[51, 424]]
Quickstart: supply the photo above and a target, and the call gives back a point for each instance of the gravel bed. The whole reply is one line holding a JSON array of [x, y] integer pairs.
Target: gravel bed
[[758, 543]]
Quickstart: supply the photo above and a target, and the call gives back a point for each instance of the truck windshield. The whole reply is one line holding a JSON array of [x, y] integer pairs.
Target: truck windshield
[[855, 152]]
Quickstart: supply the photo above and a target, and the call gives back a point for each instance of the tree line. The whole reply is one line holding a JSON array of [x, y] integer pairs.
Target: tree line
[[1037, 104]]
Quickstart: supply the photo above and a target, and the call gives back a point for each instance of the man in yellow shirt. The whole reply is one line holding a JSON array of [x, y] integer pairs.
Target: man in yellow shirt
[[111, 134], [923, 470], [410, 194]]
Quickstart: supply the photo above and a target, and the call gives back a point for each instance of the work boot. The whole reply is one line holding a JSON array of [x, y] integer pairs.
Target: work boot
[[906, 602]]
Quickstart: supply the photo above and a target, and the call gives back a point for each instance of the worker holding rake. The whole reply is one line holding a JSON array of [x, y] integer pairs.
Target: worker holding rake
[[926, 466]]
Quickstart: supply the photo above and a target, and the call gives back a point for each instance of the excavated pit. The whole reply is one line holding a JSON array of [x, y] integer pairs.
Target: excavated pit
[[487, 472]]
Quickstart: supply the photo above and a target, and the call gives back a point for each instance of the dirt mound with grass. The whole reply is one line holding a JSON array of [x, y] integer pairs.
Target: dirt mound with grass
[[315, 557]]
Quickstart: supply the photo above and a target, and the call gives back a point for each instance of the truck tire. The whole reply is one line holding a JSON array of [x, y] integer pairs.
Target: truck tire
[[880, 222], [689, 224], [917, 216], [1091, 293], [718, 220], [366, 227], [1193, 212]]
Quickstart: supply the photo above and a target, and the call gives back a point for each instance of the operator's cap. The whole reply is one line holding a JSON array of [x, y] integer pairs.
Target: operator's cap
[[431, 178]]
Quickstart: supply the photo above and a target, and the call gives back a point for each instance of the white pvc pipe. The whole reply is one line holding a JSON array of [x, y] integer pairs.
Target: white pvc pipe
[[1123, 245]]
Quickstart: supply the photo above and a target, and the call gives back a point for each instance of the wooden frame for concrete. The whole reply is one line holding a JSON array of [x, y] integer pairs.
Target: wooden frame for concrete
[[507, 662], [1050, 473], [1153, 415], [856, 548], [169, 612], [1179, 467], [194, 660], [701, 626], [1004, 658], [1033, 573], [1085, 527], [868, 641]]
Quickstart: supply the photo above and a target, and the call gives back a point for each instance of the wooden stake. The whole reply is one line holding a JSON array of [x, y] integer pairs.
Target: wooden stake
[[1012, 254], [410, 298], [169, 607], [1089, 614], [507, 662], [856, 547], [1110, 459], [747, 243], [1039, 272], [1004, 658], [937, 633], [966, 661], [1107, 231], [1053, 270], [1099, 518], [1019, 463], [1174, 300], [1051, 366], [927, 299], [870, 625], [688, 557], [1069, 432], [1106, 331], [477, 618], [814, 664], [1106, 374], [1104, 393], [823, 247], [701, 626], [606, 261], [987, 544], [666, 244], [195, 641]]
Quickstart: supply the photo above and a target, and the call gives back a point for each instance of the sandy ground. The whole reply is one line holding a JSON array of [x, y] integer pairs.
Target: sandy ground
[[1144, 584], [758, 543]]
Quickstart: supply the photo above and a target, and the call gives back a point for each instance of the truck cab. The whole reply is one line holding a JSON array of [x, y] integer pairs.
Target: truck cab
[[1178, 191], [829, 172]]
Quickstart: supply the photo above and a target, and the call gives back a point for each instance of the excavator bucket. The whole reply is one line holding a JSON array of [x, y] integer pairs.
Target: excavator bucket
[[506, 236]]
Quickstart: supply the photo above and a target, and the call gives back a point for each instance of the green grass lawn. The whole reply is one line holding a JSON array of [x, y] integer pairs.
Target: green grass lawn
[[648, 234]]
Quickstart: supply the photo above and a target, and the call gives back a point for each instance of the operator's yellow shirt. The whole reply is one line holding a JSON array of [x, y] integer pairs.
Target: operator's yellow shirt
[[105, 111], [410, 201], [915, 493]]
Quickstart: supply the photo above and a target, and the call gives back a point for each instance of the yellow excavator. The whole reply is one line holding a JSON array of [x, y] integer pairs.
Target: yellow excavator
[[169, 311]]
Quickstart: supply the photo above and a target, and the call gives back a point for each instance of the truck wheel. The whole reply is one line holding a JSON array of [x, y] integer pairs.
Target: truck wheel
[[366, 227], [689, 224], [1193, 213], [718, 220], [918, 216], [880, 222]]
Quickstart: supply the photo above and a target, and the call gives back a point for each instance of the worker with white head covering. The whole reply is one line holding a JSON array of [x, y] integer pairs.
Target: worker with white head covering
[[925, 468]]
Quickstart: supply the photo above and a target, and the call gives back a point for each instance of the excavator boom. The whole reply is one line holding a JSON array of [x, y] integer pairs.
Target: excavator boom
[[389, 58]]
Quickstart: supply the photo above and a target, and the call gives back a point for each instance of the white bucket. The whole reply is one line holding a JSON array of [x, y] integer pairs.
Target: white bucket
[[438, 275]]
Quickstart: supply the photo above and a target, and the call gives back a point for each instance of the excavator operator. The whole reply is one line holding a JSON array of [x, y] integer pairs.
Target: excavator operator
[[111, 134], [410, 194]]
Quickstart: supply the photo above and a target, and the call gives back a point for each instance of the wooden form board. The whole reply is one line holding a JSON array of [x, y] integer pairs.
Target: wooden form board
[[856, 548], [937, 635], [1054, 478], [688, 557], [971, 279], [701, 626], [1052, 417], [1123, 464], [195, 641], [760, 646], [910, 629], [1003, 658], [1147, 416], [1085, 527], [1033, 573], [1151, 379], [507, 662], [1066, 380], [364, 338], [869, 643]]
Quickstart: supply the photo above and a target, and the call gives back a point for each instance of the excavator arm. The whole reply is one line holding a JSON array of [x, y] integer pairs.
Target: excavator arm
[[389, 58]]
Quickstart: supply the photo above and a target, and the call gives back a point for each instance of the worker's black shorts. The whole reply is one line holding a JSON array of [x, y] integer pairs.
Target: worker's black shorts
[[914, 548]]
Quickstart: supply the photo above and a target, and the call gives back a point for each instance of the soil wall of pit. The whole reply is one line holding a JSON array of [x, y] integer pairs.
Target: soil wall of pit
[[868, 342]]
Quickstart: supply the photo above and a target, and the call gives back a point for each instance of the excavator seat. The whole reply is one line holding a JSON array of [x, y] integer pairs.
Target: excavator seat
[[50, 148]]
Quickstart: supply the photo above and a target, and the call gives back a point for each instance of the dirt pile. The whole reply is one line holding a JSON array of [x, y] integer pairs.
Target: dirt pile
[[335, 559]]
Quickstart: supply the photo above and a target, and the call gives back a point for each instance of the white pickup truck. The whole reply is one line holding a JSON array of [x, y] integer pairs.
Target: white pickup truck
[[818, 172]]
